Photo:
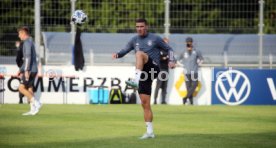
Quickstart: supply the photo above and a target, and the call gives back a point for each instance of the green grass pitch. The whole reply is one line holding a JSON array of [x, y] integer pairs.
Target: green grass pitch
[[121, 125]]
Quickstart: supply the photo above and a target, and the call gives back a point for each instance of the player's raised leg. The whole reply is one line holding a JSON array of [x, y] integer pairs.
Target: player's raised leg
[[141, 59]]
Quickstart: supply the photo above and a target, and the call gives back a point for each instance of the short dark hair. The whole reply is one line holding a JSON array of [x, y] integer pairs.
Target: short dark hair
[[141, 20], [25, 29], [189, 39]]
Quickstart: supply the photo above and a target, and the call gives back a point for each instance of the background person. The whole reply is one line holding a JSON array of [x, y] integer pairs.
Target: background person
[[162, 81], [19, 63], [191, 59]]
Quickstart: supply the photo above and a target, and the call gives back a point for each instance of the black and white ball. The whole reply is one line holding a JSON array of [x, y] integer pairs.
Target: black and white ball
[[79, 17]]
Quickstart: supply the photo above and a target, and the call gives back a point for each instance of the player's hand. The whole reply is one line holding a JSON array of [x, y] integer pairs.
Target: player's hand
[[27, 75], [179, 64], [19, 74], [199, 62], [171, 64], [114, 56]]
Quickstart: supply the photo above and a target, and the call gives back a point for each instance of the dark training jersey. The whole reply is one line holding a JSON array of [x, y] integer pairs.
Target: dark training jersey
[[29, 55], [150, 44], [19, 55], [164, 60]]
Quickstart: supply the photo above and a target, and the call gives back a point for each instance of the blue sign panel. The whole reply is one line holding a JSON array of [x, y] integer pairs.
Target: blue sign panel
[[244, 86]]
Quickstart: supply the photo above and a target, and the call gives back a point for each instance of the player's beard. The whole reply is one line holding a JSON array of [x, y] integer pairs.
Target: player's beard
[[142, 32]]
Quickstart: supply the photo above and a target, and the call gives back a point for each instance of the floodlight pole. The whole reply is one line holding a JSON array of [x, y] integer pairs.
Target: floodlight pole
[[167, 18], [37, 28], [73, 29], [73, 32], [261, 26]]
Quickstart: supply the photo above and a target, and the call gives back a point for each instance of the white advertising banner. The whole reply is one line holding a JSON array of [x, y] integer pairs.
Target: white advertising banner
[[64, 85], [177, 89]]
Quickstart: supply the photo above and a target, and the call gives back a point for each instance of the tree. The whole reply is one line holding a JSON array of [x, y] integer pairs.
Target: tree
[[119, 15], [111, 16]]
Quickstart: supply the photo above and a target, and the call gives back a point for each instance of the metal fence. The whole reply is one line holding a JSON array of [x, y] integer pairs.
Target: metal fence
[[112, 16]]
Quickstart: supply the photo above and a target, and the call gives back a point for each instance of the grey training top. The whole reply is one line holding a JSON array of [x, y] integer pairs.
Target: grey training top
[[29, 56], [150, 44], [190, 60]]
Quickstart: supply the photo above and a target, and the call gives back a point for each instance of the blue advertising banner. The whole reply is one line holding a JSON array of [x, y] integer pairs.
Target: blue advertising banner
[[244, 87]]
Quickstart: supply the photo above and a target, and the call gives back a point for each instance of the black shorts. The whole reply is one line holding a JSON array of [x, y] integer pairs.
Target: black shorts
[[149, 73], [30, 82]]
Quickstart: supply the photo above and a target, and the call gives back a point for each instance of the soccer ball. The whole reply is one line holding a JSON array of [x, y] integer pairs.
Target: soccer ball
[[79, 17]]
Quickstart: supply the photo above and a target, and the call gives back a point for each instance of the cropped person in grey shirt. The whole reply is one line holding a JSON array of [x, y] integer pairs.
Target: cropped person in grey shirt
[[190, 59], [28, 70]]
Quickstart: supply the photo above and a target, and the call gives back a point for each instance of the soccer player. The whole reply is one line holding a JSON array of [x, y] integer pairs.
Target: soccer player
[[147, 52], [28, 70]]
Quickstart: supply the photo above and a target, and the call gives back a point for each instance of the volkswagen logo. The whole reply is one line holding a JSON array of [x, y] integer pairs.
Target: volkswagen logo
[[232, 87]]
